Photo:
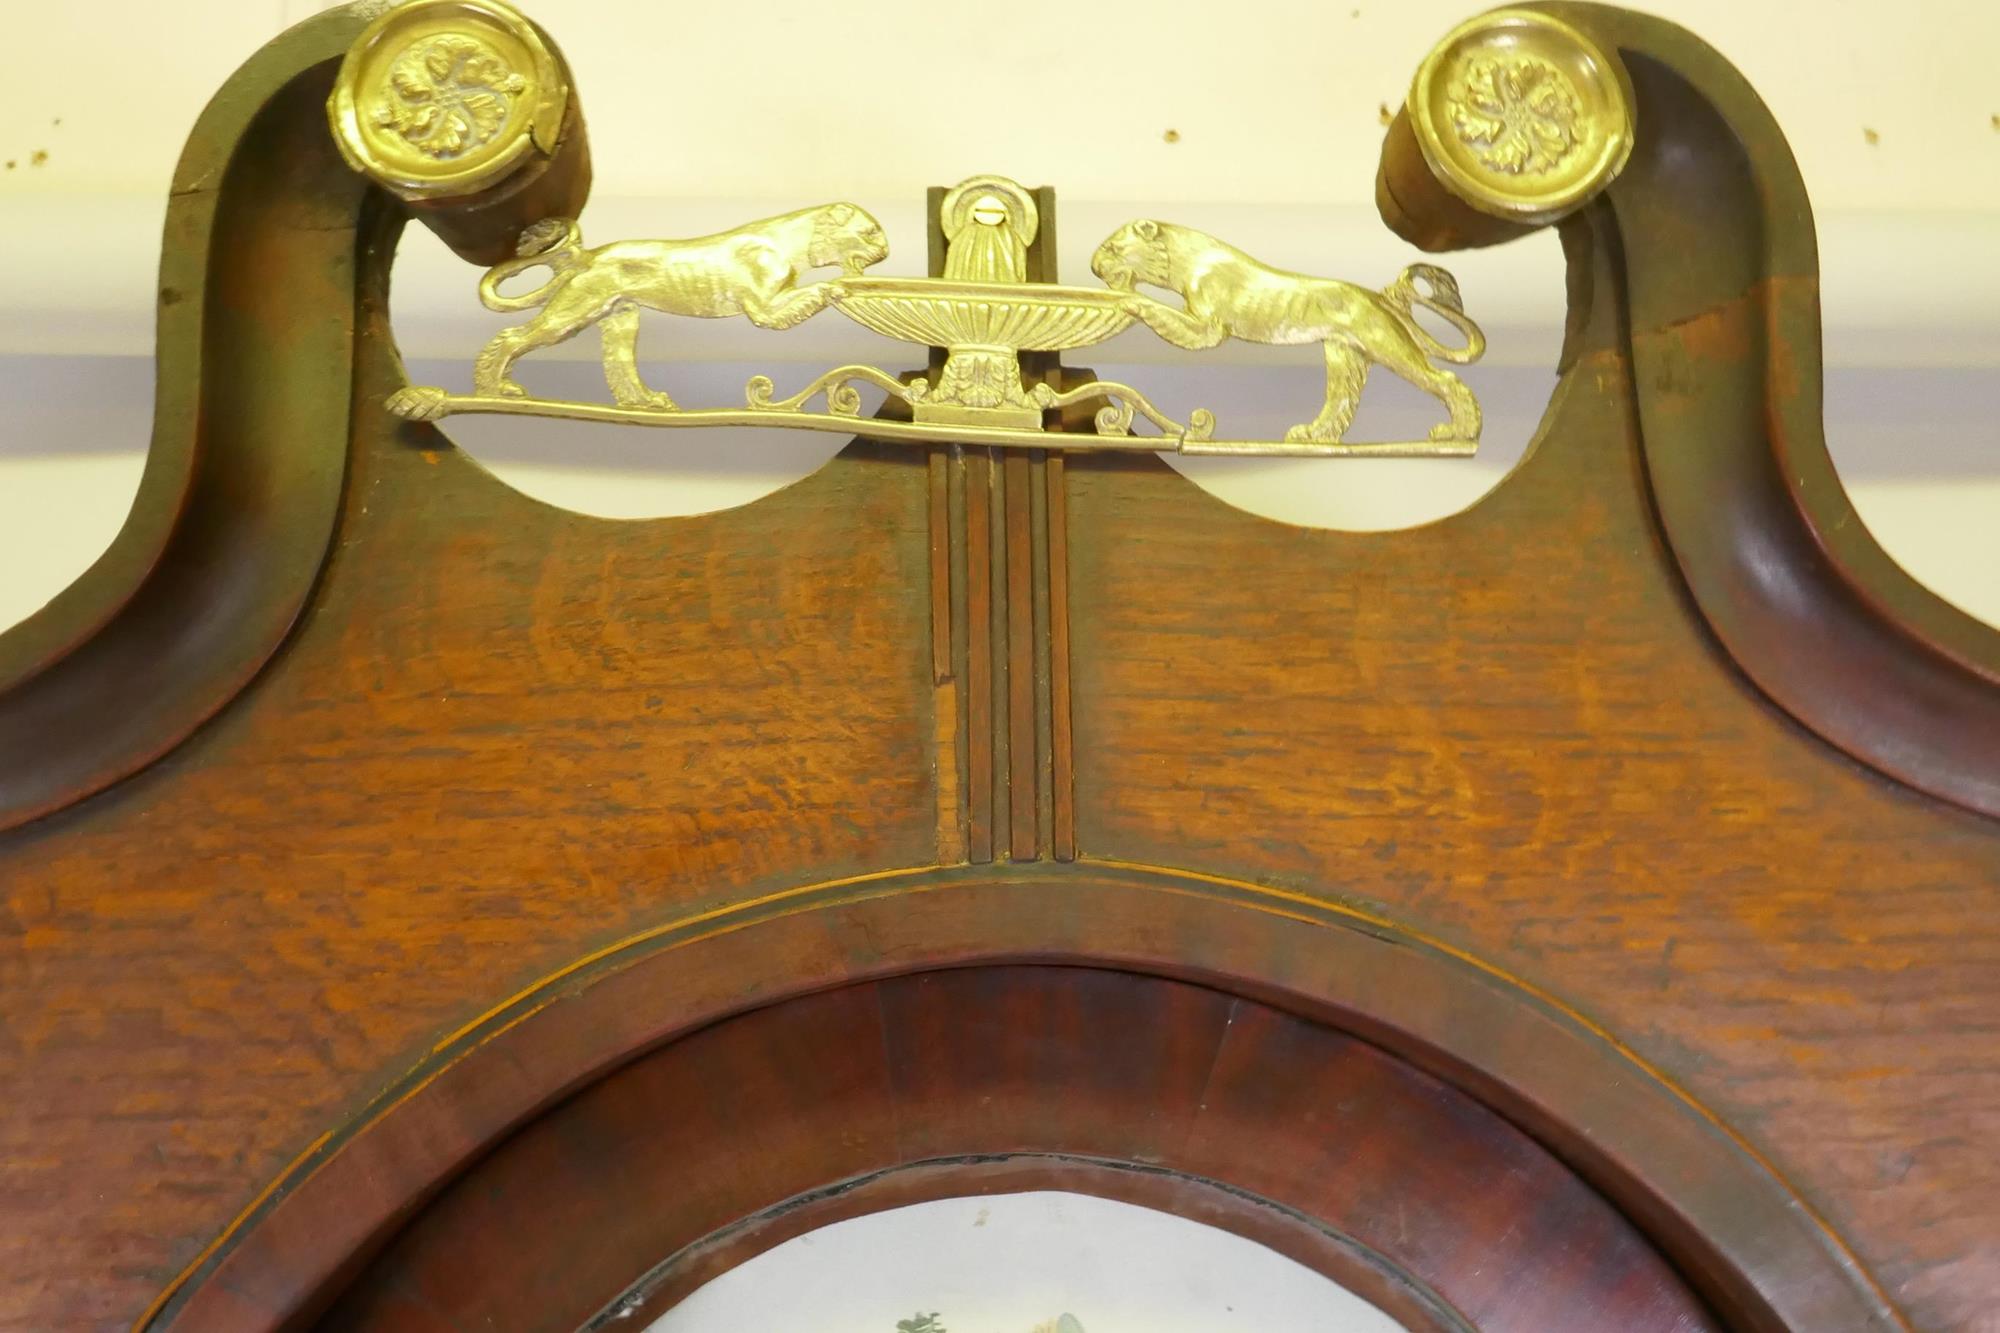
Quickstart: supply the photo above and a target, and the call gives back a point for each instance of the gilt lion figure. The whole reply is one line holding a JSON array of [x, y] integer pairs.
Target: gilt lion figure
[[753, 271], [1228, 294]]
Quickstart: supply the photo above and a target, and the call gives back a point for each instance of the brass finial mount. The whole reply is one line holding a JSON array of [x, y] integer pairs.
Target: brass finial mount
[[1521, 115], [464, 110]]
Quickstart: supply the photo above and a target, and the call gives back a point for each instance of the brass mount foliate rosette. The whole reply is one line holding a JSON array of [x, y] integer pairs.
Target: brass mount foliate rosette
[[1522, 116], [464, 109]]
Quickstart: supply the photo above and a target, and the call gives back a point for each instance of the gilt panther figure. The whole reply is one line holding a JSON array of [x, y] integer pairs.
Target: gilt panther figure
[[1229, 294], [752, 271]]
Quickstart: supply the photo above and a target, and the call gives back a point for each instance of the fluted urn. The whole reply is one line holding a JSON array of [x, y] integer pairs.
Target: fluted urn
[[984, 326], [983, 311]]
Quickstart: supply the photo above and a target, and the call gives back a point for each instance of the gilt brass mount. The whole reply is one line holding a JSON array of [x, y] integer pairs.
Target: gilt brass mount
[[444, 98], [1521, 115], [445, 95]]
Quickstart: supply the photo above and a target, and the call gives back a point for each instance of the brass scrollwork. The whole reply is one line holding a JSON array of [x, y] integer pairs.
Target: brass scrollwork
[[459, 107], [984, 312]]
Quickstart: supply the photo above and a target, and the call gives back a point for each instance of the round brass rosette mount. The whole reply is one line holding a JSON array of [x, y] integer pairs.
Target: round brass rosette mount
[[443, 99], [1522, 116]]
